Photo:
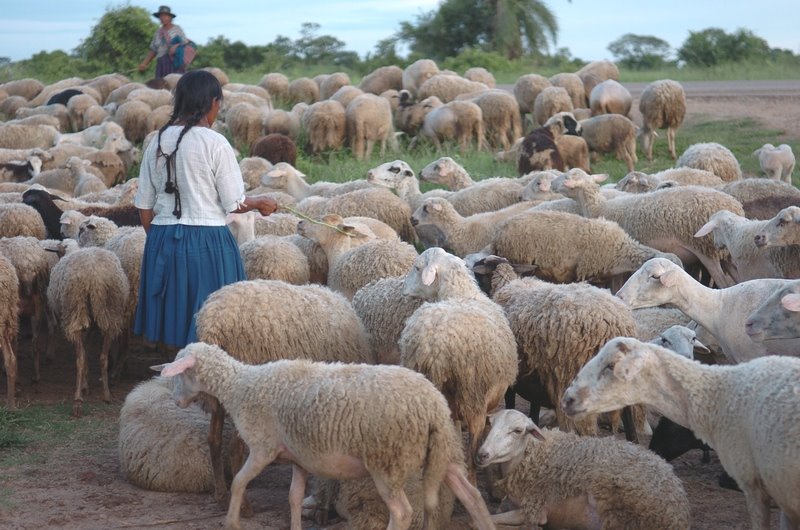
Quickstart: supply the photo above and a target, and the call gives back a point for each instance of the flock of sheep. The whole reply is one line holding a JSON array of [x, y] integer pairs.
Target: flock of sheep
[[548, 284]]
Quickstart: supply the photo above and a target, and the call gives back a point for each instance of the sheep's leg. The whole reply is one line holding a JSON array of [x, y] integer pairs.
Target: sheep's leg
[[80, 365], [36, 325], [512, 518], [122, 351], [104, 367], [396, 501], [256, 461], [10, 363], [370, 147], [469, 496], [215, 449], [787, 523], [296, 492], [671, 142], [757, 507], [237, 460], [511, 398], [629, 424]]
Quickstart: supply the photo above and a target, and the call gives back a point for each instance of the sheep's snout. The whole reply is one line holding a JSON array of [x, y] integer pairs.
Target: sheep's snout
[[760, 240], [754, 327], [571, 403], [414, 221], [482, 458]]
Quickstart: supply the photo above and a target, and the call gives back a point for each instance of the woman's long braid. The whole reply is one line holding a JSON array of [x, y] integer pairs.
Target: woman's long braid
[[172, 187]]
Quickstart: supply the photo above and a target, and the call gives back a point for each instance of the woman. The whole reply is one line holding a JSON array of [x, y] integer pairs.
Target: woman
[[165, 41], [189, 180]]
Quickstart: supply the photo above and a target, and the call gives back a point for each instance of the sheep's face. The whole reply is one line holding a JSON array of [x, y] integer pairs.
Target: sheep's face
[[652, 285], [607, 381], [778, 317], [390, 174], [440, 171], [574, 180], [423, 280], [681, 340], [636, 182], [783, 229], [507, 438], [186, 389]]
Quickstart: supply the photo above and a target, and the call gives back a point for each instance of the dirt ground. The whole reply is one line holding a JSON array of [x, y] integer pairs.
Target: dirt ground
[[79, 485]]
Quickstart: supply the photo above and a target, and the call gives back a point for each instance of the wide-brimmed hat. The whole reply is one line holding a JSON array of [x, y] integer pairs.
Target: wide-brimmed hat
[[164, 10]]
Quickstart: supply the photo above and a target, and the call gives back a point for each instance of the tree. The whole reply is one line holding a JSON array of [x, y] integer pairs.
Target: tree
[[517, 23], [119, 41], [713, 46], [640, 52]]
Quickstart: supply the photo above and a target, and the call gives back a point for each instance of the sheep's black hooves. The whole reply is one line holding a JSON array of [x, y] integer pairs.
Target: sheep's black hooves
[[727, 482]]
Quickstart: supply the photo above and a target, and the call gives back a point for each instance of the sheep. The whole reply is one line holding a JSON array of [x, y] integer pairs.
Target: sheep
[[604, 69], [20, 170], [565, 481], [611, 133], [538, 150], [382, 79], [738, 235], [76, 109], [776, 162], [21, 220], [610, 97], [325, 126], [27, 88], [459, 339], [501, 117], [152, 98], [304, 90], [368, 120], [346, 94], [652, 321], [461, 121], [201, 368], [106, 83], [10, 105], [161, 446], [88, 287], [231, 99], [638, 182], [112, 160], [417, 73], [721, 311], [276, 84], [551, 100], [132, 117], [352, 268], [246, 123], [712, 157], [457, 234], [255, 90], [375, 202], [540, 188], [9, 327], [573, 84], [526, 89], [286, 178], [333, 83], [762, 198], [93, 136], [57, 111], [252, 169], [13, 136], [9, 155], [667, 219], [566, 248], [557, 329], [448, 87], [663, 106], [85, 182], [481, 75], [782, 230], [120, 94], [409, 115], [447, 172], [274, 258], [282, 122], [724, 406], [275, 148], [495, 194], [777, 316]]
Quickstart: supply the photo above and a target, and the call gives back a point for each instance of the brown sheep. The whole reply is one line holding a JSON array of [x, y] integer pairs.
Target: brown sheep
[[275, 148]]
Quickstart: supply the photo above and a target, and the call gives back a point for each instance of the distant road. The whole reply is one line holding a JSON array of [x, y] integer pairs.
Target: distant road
[[722, 88]]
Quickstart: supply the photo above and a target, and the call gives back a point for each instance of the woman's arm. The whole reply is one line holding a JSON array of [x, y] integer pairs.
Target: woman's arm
[[150, 55], [265, 205], [146, 217]]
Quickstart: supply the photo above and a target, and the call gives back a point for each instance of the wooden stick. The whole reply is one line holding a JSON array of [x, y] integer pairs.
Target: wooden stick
[[171, 521], [304, 217]]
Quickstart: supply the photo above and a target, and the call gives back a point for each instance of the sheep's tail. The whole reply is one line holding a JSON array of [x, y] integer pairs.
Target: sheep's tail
[[440, 450]]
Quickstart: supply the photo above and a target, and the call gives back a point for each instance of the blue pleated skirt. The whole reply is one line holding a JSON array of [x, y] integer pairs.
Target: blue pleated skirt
[[181, 266]]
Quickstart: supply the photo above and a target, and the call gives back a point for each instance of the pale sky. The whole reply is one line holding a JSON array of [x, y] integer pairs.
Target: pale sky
[[586, 26]]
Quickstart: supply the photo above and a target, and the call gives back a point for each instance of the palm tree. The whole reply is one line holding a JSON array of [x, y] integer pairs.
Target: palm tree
[[517, 23]]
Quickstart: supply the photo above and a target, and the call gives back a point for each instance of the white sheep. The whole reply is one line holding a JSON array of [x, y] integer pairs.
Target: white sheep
[[610, 97], [550, 101], [611, 133], [382, 79], [526, 88], [778, 317], [303, 89], [325, 126], [276, 84], [369, 119], [284, 177], [448, 87], [738, 235], [721, 311], [762, 198], [459, 339], [638, 182], [461, 121], [9, 326], [417, 73], [781, 230], [16, 136], [562, 480], [663, 106], [500, 114], [749, 414], [21, 220], [276, 420], [573, 84], [776, 162], [712, 157]]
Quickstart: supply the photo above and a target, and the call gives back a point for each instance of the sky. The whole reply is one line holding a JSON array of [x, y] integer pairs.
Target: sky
[[586, 27]]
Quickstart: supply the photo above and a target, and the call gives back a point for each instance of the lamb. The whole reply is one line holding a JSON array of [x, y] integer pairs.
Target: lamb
[[275, 148], [762, 198], [539, 152], [13, 136], [472, 368], [21, 220], [417, 73], [276, 84], [712, 157], [352, 268], [667, 219], [526, 89], [88, 286], [724, 406], [461, 121], [557, 329], [303, 89], [611, 133], [782, 230], [286, 178], [368, 120], [638, 182], [776, 162], [325, 126], [663, 106], [738, 235], [266, 422], [382, 79], [610, 97], [721, 311], [161, 446], [567, 248], [501, 117], [777, 317], [564, 481], [9, 327], [550, 101], [493, 195]]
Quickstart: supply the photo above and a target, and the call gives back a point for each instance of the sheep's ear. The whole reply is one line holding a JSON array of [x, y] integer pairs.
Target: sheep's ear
[[628, 366], [66, 221], [791, 302], [428, 274], [534, 431], [436, 206], [706, 228], [669, 278], [602, 177], [176, 367], [697, 345]]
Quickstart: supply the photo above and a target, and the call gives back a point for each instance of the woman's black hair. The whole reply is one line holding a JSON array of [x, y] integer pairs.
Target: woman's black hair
[[194, 95]]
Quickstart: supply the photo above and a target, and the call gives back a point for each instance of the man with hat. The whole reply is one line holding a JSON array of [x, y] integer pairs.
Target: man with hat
[[164, 44]]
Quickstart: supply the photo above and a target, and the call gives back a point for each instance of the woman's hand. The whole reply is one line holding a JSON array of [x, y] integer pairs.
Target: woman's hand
[[266, 205]]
